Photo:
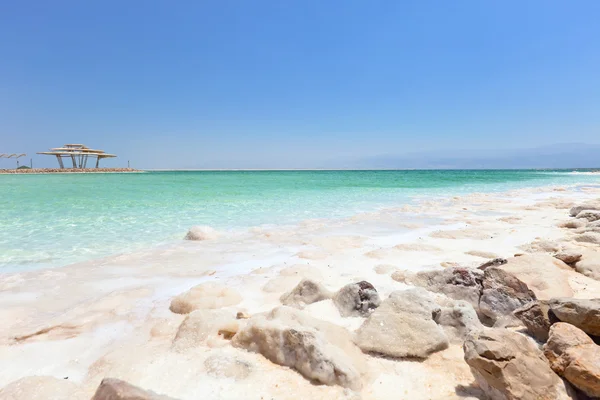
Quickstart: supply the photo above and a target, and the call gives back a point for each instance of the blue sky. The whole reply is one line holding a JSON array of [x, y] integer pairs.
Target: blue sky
[[267, 84]]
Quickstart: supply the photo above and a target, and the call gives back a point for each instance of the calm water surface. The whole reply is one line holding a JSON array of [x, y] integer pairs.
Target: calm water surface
[[54, 220]]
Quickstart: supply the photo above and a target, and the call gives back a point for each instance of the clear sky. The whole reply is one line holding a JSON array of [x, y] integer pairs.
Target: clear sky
[[236, 83]]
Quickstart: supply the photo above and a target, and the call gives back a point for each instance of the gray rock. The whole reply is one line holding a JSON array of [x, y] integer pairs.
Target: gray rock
[[575, 357], [588, 237], [537, 318], [590, 215], [357, 299], [583, 313], [568, 257], [592, 205], [403, 326], [457, 283], [306, 292], [319, 350], [502, 294], [509, 366], [459, 321], [116, 389]]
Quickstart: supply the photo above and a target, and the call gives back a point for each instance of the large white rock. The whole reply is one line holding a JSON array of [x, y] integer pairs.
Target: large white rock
[[201, 233], [200, 324], [546, 276], [319, 350], [205, 296], [403, 326]]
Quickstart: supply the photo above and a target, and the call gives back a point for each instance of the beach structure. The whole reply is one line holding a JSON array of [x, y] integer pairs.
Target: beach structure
[[78, 153], [16, 156]]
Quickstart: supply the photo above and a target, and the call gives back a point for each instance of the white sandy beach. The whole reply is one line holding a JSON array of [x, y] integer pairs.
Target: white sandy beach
[[111, 317]]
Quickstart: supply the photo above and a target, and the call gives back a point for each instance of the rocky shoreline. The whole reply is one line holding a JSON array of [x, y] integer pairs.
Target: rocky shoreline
[[67, 170], [524, 325]]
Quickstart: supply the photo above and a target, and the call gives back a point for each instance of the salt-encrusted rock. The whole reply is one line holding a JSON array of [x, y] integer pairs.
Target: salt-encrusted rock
[[502, 294], [42, 388], [116, 389], [319, 350], [537, 318], [227, 366], [459, 320], [592, 205], [589, 215], [306, 292], [568, 257], [403, 326], [588, 237], [205, 296], [357, 299], [573, 224], [509, 366], [201, 233], [575, 357], [541, 246], [589, 266], [583, 313], [457, 283], [492, 263], [546, 276], [200, 324]]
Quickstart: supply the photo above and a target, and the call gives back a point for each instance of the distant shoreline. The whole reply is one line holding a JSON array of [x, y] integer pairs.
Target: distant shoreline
[[68, 171]]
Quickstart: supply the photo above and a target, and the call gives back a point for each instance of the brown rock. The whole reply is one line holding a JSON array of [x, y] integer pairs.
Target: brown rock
[[583, 313], [116, 389], [492, 263], [502, 294], [568, 257], [574, 356], [509, 366], [537, 318]]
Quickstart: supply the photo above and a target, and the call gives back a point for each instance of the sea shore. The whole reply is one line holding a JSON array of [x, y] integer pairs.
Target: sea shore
[[393, 304], [67, 170]]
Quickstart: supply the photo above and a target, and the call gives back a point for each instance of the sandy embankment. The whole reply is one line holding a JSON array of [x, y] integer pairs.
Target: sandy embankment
[[112, 317]]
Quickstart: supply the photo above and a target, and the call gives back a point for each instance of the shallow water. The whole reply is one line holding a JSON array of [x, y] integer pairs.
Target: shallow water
[[55, 220]]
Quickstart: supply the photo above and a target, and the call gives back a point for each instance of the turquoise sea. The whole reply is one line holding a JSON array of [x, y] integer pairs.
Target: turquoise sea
[[58, 219]]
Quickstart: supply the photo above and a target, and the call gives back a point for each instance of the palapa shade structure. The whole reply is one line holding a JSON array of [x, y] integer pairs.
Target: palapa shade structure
[[78, 153]]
